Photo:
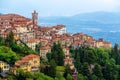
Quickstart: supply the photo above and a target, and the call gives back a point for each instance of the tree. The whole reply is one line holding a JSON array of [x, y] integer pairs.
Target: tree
[[2, 42], [57, 54], [21, 75], [69, 77], [59, 76], [94, 77], [85, 69], [89, 56], [97, 71], [9, 39], [49, 56], [54, 52], [50, 70], [67, 71], [71, 51], [77, 62], [110, 72], [41, 76], [118, 67], [116, 53], [7, 55], [81, 77]]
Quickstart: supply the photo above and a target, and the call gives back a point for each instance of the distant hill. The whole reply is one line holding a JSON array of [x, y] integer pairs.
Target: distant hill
[[103, 17], [0, 14], [96, 17]]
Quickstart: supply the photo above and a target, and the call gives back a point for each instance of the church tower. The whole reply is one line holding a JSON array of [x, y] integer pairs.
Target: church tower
[[35, 19]]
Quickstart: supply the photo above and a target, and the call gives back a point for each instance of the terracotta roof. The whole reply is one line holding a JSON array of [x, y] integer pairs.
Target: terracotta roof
[[25, 59], [13, 19], [45, 28], [46, 48], [22, 22], [32, 40]]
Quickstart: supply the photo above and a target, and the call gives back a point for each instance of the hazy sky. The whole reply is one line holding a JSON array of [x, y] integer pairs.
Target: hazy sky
[[58, 7]]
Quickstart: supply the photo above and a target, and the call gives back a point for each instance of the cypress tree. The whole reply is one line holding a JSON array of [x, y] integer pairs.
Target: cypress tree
[[9, 39], [85, 69], [57, 54], [97, 71]]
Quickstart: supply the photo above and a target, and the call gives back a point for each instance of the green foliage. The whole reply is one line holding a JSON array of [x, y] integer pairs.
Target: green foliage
[[60, 68], [72, 52], [50, 70], [116, 53], [77, 62], [98, 71], [48, 55], [97, 63], [85, 69], [88, 55], [2, 41], [9, 39], [81, 77], [7, 55], [18, 48], [91, 63], [57, 54], [13, 51], [84, 54], [69, 77], [59, 76], [67, 71], [118, 68], [94, 77], [23, 50], [110, 72], [102, 56], [21, 75], [41, 76]]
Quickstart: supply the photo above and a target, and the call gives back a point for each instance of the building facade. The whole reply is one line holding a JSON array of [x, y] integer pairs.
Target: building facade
[[4, 66], [29, 63]]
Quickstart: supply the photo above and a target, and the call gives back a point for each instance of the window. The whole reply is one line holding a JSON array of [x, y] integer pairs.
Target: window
[[35, 61], [5, 67]]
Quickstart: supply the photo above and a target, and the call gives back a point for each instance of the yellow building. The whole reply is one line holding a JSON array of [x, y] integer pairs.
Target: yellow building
[[4, 66], [29, 63]]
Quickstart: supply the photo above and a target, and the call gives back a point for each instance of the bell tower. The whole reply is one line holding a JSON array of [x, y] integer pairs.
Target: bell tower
[[35, 19]]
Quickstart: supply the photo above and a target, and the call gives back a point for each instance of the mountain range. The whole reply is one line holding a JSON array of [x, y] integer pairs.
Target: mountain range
[[0, 14], [101, 17]]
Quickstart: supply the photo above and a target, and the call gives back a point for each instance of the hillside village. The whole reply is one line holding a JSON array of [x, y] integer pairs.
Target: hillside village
[[31, 33], [28, 31]]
